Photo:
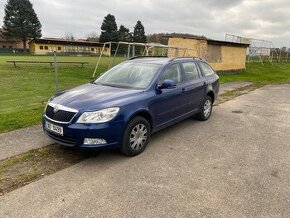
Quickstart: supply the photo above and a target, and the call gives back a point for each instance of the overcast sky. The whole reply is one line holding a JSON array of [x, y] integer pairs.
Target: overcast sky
[[262, 19]]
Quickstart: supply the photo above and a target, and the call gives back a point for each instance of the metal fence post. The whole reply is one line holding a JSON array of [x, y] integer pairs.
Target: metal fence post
[[128, 52], [55, 73]]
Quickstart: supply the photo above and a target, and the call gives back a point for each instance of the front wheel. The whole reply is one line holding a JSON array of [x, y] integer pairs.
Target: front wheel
[[136, 136], [205, 110]]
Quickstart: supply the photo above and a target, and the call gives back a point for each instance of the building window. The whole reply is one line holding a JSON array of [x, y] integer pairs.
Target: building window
[[214, 53], [10, 46], [92, 49], [46, 47], [41, 47], [4, 46], [59, 48]]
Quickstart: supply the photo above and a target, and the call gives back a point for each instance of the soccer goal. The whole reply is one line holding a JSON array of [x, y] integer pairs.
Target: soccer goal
[[120, 51]]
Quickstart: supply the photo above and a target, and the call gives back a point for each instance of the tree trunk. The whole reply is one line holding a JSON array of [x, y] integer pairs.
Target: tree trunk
[[24, 44]]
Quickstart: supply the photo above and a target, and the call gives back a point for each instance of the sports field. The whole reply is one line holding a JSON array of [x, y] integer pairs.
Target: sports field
[[24, 90]]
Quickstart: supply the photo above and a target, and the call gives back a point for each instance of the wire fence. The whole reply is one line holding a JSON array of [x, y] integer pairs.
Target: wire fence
[[261, 50]]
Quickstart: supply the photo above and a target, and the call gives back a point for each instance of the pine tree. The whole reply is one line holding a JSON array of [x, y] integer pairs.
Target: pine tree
[[139, 33], [109, 29], [21, 21], [124, 34]]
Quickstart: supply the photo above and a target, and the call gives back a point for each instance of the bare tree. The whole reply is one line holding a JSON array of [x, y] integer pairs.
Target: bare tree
[[69, 36], [93, 37]]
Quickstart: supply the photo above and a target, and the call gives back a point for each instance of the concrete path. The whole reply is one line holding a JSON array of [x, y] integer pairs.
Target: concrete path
[[22, 140], [232, 86], [234, 165]]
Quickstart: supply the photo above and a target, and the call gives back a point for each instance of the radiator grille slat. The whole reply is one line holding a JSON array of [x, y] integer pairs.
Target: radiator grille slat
[[60, 115]]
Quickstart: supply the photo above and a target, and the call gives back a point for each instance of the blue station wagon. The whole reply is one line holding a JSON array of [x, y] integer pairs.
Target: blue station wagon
[[129, 102]]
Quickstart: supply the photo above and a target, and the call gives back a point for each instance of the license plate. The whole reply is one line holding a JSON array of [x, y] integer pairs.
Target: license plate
[[53, 128]]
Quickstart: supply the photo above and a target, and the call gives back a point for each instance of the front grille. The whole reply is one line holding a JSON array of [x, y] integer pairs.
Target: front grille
[[62, 139], [60, 115]]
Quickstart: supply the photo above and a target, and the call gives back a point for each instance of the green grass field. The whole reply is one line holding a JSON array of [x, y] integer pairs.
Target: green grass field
[[261, 74], [24, 90]]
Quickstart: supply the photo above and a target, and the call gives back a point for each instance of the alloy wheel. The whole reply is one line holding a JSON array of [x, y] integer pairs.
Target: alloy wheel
[[138, 136], [207, 108]]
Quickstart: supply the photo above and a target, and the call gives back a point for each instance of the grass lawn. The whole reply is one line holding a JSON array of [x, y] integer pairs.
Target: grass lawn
[[24, 90], [261, 74]]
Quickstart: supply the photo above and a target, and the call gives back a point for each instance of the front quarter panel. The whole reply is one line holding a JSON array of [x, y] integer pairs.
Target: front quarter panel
[[143, 105]]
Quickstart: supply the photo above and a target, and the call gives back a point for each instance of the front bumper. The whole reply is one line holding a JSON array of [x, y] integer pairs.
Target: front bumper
[[74, 133]]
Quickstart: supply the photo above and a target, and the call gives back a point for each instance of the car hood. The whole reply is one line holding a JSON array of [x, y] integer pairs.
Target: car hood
[[91, 97]]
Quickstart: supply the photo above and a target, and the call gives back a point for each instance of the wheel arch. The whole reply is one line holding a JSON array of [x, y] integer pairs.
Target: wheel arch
[[145, 114], [210, 93]]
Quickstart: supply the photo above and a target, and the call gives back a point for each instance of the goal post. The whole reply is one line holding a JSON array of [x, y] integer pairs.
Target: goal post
[[132, 49]]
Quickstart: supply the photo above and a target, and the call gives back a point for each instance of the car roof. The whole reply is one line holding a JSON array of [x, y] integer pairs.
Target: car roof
[[151, 60], [161, 60]]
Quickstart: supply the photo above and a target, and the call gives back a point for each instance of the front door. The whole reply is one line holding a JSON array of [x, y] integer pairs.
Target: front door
[[169, 103]]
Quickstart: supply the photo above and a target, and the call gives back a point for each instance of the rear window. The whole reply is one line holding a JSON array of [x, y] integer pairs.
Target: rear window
[[206, 69]]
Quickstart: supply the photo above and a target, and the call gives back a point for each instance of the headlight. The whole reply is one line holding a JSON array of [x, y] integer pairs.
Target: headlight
[[100, 116]]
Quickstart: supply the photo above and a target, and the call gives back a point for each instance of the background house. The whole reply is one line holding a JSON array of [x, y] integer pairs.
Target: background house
[[222, 55], [48, 45], [8, 45]]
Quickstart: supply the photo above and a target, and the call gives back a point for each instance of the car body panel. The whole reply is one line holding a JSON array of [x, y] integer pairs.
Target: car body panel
[[165, 107]]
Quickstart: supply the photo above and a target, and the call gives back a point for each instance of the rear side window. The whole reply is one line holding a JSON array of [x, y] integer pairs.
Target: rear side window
[[191, 70], [173, 73], [206, 69]]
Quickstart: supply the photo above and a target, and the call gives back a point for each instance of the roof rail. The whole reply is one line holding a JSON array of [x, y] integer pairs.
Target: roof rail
[[195, 58], [136, 57]]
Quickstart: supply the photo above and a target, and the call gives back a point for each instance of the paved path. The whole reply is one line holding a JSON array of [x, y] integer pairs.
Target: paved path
[[22, 140], [234, 165]]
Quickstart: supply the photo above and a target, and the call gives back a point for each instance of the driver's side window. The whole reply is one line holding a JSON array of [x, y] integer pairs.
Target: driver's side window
[[173, 72]]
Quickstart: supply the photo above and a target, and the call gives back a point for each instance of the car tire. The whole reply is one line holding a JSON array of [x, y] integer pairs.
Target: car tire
[[136, 136], [205, 110]]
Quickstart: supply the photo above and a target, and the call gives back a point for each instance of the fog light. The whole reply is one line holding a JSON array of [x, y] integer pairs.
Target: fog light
[[94, 141]]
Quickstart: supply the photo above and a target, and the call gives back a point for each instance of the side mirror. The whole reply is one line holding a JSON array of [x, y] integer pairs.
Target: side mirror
[[167, 84]]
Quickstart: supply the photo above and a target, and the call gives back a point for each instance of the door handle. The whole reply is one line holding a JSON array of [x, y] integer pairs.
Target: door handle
[[184, 90]]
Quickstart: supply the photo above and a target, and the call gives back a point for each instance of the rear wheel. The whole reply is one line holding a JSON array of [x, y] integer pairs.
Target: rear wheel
[[205, 110], [136, 136]]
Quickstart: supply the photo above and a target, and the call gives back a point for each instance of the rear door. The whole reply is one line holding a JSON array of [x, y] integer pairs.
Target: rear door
[[195, 86], [210, 77]]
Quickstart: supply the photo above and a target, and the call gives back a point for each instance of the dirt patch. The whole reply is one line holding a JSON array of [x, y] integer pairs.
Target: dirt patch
[[228, 95], [22, 169]]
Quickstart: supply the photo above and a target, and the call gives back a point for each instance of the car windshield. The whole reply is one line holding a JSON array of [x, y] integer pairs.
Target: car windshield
[[129, 75]]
